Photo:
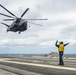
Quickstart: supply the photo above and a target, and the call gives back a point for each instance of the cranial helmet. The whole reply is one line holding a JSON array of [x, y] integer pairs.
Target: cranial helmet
[[61, 42]]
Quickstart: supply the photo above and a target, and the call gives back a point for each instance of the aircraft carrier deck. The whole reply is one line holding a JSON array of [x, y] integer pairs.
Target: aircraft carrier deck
[[35, 65]]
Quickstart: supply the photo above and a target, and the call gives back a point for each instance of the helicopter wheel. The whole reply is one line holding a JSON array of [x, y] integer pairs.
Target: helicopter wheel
[[19, 32]]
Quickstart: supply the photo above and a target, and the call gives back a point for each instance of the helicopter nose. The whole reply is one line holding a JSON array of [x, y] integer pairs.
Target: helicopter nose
[[7, 30]]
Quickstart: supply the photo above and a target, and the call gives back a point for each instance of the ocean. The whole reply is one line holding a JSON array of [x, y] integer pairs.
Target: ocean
[[70, 55], [30, 55], [65, 55]]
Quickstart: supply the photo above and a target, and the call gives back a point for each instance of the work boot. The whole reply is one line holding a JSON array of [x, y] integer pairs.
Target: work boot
[[59, 64], [62, 64]]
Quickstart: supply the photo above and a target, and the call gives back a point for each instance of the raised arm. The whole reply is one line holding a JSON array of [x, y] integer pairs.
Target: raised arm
[[56, 44], [66, 44]]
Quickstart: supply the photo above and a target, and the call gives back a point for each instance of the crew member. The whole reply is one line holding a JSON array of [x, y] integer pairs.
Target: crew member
[[61, 51]]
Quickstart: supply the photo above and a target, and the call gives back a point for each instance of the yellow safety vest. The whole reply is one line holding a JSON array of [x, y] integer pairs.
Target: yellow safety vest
[[61, 48]]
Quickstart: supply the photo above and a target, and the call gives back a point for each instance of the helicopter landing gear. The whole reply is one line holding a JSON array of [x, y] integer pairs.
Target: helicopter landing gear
[[19, 32]]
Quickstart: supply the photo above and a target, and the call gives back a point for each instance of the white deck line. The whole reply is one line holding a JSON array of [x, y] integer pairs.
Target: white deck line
[[41, 65]]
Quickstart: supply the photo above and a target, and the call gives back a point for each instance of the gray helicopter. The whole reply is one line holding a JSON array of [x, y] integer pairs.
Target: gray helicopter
[[19, 24]]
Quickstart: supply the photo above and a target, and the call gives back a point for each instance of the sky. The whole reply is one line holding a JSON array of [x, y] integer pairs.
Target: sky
[[61, 25]]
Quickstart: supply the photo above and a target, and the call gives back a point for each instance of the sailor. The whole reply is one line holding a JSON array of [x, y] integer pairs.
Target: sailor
[[60, 46]]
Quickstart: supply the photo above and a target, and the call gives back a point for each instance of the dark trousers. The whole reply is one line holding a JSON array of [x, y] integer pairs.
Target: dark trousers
[[61, 58]]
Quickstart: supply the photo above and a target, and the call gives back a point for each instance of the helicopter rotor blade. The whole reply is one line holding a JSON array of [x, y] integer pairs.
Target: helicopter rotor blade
[[5, 24], [35, 19], [6, 15], [24, 12], [8, 10], [35, 24], [8, 19]]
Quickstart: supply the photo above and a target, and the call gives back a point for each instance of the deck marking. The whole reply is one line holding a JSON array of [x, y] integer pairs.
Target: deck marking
[[40, 65]]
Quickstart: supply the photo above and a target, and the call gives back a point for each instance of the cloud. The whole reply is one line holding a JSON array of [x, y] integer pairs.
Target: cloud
[[60, 25]]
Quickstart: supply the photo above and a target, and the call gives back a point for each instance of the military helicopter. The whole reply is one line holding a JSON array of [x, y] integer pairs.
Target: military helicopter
[[18, 24]]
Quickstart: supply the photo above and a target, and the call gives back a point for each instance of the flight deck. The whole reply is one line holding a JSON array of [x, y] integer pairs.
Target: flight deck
[[36, 65]]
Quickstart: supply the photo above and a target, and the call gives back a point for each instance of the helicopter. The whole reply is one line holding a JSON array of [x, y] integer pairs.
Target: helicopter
[[18, 24]]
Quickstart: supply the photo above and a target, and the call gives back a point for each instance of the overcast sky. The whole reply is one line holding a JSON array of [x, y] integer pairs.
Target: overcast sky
[[61, 25]]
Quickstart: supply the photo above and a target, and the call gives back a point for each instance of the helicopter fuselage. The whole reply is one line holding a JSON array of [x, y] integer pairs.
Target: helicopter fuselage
[[18, 26]]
